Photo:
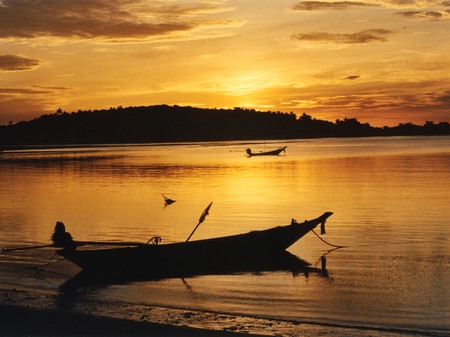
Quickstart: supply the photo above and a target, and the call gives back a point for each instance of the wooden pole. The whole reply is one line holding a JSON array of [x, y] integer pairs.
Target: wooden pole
[[76, 244], [4, 250], [107, 243]]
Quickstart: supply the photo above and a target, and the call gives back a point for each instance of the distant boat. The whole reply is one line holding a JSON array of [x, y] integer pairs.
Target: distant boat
[[170, 259], [267, 153]]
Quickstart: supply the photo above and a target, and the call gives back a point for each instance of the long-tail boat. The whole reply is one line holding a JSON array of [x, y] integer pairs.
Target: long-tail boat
[[266, 153], [183, 257]]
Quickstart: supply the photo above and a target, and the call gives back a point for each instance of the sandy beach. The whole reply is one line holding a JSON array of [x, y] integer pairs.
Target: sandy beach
[[19, 321], [25, 312]]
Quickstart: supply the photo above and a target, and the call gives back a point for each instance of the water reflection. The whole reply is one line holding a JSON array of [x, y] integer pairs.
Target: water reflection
[[390, 199], [283, 261]]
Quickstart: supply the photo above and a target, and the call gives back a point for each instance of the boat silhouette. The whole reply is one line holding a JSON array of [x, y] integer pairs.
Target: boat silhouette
[[266, 153]]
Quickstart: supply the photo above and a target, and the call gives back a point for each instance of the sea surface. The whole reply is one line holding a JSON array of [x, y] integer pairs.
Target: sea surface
[[390, 198]]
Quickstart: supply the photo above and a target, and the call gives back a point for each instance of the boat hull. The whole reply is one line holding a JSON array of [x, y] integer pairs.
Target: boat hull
[[185, 257], [267, 153]]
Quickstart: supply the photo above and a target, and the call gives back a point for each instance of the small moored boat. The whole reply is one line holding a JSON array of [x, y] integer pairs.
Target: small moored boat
[[266, 153]]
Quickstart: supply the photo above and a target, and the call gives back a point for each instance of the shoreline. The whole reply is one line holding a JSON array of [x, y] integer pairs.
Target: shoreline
[[29, 313], [11, 148], [18, 321]]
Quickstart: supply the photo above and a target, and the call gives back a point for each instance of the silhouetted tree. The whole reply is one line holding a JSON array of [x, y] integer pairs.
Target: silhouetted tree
[[163, 123]]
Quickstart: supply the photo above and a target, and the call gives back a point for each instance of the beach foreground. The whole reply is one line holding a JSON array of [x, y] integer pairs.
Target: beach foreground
[[19, 321], [24, 312]]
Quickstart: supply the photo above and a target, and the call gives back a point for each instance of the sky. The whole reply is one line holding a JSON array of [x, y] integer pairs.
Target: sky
[[383, 62]]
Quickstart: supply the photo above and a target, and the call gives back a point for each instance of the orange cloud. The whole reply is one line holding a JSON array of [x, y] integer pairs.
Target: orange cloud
[[365, 36], [324, 5], [433, 15], [112, 20], [17, 63], [26, 103], [352, 77]]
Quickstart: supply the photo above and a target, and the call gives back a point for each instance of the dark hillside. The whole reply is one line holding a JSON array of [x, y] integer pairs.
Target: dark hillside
[[165, 123]]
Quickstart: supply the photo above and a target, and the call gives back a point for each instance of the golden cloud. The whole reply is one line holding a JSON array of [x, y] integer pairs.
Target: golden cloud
[[104, 19], [365, 36], [325, 5], [433, 15], [17, 63]]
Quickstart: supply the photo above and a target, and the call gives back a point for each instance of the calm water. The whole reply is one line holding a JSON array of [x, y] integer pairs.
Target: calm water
[[390, 198]]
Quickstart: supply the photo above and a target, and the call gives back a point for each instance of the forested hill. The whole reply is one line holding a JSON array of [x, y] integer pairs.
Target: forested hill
[[165, 123]]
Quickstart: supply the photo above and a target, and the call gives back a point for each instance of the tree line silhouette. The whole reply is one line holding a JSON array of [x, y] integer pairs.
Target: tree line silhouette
[[164, 123]]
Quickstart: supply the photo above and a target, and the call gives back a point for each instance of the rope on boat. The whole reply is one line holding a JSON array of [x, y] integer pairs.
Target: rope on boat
[[327, 242], [41, 268]]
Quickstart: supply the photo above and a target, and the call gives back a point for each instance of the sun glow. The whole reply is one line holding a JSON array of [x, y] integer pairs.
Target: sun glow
[[318, 57], [247, 83]]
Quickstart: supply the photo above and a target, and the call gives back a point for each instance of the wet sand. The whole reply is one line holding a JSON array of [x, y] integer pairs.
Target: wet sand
[[28, 313], [20, 322]]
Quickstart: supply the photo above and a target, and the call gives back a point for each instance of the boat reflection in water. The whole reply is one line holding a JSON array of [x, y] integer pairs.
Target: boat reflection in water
[[279, 262], [254, 251]]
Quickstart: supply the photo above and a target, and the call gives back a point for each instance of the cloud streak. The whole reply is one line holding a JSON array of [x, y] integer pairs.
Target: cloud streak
[[17, 63], [364, 36], [433, 15], [104, 19], [343, 5], [402, 2], [27, 102], [325, 5], [376, 100], [352, 77]]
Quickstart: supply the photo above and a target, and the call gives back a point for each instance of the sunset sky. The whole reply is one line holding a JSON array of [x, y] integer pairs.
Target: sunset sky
[[383, 62]]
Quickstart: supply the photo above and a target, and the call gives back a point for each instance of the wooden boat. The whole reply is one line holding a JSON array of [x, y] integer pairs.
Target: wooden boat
[[185, 257], [266, 153]]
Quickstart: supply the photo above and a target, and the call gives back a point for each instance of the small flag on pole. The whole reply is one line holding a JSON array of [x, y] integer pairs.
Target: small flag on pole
[[202, 218], [204, 214]]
